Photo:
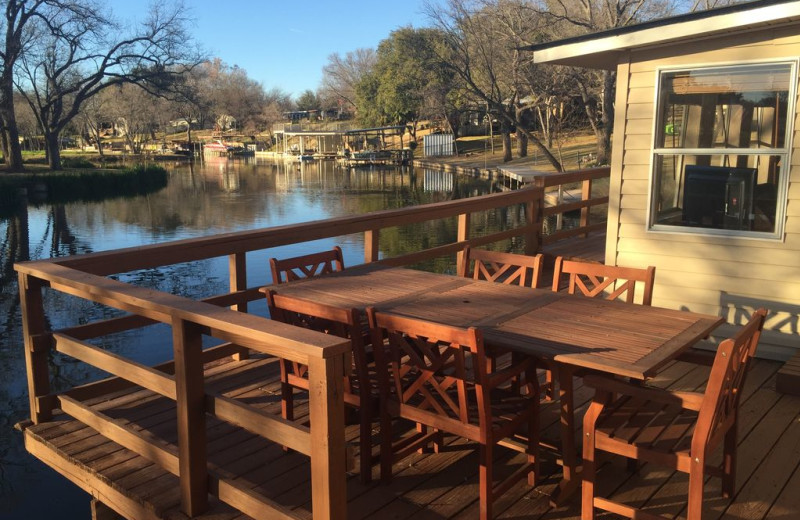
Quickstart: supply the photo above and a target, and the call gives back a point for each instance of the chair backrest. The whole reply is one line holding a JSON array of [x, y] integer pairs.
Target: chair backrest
[[306, 266], [608, 281], [427, 369], [724, 388], [344, 323], [508, 268]]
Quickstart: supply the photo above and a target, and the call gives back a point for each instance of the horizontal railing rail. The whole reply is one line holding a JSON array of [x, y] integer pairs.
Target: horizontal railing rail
[[182, 379]]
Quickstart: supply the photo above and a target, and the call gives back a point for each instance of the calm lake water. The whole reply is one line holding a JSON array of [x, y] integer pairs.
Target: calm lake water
[[202, 200]]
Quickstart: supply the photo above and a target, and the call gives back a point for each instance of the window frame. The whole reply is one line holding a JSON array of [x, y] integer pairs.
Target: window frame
[[785, 153]]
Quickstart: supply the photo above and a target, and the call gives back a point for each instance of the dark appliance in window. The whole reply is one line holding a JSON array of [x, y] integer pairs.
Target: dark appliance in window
[[718, 197]]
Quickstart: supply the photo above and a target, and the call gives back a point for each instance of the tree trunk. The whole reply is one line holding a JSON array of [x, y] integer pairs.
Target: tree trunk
[[606, 127], [53, 150], [542, 148], [12, 148], [522, 143], [505, 130]]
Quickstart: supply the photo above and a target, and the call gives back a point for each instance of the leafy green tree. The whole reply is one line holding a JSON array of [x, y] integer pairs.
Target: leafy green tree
[[308, 101], [407, 83]]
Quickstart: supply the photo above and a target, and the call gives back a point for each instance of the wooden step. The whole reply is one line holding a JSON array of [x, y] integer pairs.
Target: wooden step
[[788, 377]]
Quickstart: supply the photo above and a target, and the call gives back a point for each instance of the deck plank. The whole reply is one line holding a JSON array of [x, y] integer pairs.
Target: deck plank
[[426, 486]]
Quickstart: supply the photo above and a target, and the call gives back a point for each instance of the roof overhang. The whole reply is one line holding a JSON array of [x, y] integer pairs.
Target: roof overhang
[[603, 50]]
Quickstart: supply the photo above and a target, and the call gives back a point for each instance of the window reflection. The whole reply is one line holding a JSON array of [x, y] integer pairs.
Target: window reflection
[[721, 147]]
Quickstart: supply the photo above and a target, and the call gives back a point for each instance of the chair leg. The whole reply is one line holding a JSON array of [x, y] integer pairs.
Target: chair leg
[[365, 445], [485, 482], [287, 396], [386, 454], [549, 385], [533, 448], [287, 393], [694, 510], [438, 441], [729, 462], [589, 475]]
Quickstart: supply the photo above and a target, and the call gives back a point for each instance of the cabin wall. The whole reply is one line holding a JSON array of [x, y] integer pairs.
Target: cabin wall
[[709, 274]]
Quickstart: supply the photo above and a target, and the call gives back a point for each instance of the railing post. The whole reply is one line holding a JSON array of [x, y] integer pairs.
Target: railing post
[[371, 245], [463, 234], [33, 330], [535, 221], [326, 412], [586, 194], [237, 269], [187, 345]]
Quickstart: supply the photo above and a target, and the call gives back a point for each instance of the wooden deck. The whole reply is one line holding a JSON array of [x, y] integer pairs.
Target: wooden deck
[[427, 486], [788, 379], [591, 248]]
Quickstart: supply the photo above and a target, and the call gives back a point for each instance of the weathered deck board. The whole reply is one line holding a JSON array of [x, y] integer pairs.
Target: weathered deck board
[[789, 376], [591, 248], [427, 486]]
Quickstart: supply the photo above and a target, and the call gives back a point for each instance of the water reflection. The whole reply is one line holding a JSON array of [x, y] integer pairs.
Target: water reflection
[[200, 200]]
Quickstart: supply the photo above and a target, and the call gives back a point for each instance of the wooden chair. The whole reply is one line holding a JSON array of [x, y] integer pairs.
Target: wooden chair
[[508, 268], [360, 384], [438, 377], [600, 280], [676, 429], [306, 266]]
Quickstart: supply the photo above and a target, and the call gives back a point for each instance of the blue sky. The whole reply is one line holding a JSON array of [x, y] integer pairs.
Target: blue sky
[[286, 43]]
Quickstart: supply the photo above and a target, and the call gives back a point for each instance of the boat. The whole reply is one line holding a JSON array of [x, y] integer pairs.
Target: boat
[[216, 148]]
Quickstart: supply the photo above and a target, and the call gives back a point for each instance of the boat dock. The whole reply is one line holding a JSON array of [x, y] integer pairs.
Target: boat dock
[[353, 147]]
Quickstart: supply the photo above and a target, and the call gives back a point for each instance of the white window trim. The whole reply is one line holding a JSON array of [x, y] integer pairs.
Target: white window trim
[[786, 152]]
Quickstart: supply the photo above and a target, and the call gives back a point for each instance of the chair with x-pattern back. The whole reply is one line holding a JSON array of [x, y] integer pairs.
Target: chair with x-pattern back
[[508, 268], [438, 377], [605, 281], [306, 266], [680, 430], [360, 384]]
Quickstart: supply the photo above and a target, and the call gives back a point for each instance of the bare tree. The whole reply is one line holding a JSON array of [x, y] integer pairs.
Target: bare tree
[[27, 124], [73, 58], [18, 33], [135, 113], [96, 116], [597, 88], [482, 48], [276, 102], [342, 73]]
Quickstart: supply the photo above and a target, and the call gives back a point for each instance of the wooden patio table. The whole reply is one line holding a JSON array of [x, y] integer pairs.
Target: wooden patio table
[[569, 332]]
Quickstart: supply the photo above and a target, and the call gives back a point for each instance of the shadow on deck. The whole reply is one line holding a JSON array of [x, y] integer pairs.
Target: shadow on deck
[[426, 486]]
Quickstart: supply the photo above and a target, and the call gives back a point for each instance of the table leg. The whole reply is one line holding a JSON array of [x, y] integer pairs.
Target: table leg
[[571, 480]]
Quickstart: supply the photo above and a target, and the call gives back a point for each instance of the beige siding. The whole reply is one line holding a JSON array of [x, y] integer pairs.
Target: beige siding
[[726, 276]]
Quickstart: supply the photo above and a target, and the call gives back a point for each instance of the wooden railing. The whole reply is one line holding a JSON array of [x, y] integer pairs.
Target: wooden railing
[[222, 317], [586, 178]]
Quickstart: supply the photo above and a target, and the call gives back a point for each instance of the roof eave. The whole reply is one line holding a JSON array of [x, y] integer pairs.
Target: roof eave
[[604, 51]]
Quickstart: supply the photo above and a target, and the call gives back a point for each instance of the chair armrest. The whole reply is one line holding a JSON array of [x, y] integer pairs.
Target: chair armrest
[[687, 400]]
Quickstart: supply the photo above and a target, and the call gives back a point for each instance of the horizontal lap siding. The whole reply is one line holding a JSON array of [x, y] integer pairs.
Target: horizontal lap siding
[[716, 275]]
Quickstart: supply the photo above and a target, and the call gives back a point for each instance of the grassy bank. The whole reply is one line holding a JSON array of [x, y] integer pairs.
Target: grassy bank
[[79, 184]]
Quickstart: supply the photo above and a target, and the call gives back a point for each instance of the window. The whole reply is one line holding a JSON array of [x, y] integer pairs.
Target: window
[[721, 155]]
